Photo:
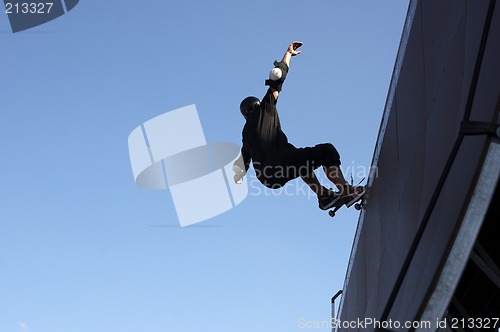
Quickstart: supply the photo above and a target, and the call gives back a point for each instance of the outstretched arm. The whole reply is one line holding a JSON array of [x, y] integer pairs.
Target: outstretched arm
[[291, 51]]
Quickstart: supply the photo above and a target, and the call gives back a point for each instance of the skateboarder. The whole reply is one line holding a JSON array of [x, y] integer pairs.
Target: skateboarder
[[275, 160]]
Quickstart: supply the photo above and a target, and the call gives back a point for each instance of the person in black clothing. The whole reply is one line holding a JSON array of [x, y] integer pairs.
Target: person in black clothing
[[275, 160]]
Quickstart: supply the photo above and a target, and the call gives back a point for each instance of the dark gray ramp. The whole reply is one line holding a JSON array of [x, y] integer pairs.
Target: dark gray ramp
[[429, 158]]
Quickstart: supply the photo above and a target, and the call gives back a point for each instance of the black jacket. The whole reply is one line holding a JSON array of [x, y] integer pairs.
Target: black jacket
[[264, 142]]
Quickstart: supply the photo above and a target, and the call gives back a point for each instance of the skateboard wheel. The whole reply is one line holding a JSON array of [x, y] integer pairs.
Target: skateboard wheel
[[357, 206], [331, 214]]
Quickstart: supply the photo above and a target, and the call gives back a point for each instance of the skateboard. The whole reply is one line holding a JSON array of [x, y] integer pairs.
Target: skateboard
[[358, 204]]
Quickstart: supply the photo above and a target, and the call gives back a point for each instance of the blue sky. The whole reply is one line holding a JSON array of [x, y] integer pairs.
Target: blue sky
[[82, 248]]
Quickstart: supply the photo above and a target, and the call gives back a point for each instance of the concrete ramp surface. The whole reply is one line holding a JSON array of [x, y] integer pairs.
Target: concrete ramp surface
[[437, 162]]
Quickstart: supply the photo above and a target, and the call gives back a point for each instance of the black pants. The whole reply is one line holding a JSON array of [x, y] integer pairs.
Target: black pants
[[290, 162]]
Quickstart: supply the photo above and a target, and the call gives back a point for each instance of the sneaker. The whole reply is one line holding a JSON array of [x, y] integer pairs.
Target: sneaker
[[327, 201]]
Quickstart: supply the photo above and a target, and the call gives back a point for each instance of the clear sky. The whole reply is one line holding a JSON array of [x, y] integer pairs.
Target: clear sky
[[82, 248]]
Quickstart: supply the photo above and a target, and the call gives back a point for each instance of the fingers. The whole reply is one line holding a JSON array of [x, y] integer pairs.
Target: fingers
[[238, 179], [294, 46], [238, 170]]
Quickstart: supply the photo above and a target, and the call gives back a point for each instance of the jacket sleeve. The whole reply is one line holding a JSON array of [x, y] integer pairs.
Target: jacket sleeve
[[246, 158]]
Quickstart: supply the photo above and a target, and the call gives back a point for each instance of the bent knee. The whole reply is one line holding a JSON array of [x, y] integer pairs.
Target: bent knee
[[331, 156]]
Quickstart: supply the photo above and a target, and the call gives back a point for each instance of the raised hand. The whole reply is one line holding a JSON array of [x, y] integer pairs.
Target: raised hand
[[292, 49]]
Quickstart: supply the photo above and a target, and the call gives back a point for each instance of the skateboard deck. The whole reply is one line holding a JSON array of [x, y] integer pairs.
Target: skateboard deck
[[358, 204]]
